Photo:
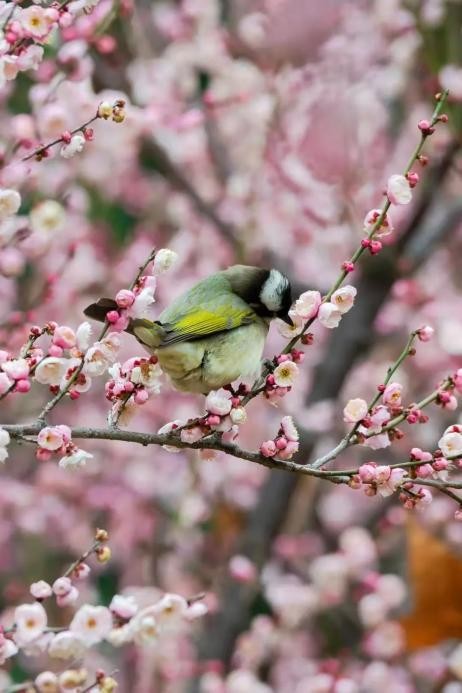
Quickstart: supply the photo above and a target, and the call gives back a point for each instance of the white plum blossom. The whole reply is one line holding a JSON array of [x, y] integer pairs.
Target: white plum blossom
[[91, 623], [51, 370], [10, 202], [96, 362], [17, 369], [398, 190], [164, 260], [35, 21], [74, 147], [124, 607], [144, 627], [75, 460], [67, 645], [285, 374], [289, 429], [344, 298], [7, 649], [170, 611], [168, 428], [218, 402], [355, 410], [82, 335], [329, 315], [31, 621], [450, 443], [146, 374], [47, 217], [142, 302], [238, 415]]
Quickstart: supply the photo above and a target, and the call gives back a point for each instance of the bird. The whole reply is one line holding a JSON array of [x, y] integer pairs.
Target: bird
[[214, 333]]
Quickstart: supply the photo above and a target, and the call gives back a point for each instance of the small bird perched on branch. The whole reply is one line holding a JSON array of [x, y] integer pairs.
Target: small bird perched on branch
[[215, 332]]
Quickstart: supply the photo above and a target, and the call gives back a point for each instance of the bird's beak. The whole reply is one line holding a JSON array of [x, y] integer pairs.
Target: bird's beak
[[287, 319]]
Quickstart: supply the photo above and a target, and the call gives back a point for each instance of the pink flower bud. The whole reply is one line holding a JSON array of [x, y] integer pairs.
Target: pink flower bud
[[425, 333], [375, 247], [125, 298], [281, 443], [213, 420], [425, 127], [82, 571], [112, 316], [268, 448], [22, 386], [55, 351], [141, 396], [42, 455], [424, 471], [413, 178], [440, 464], [348, 266]]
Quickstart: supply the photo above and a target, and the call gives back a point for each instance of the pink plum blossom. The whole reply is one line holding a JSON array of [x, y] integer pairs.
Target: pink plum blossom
[[392, 394], [329, 315], [307, 304], [344, 298], [398, 190]]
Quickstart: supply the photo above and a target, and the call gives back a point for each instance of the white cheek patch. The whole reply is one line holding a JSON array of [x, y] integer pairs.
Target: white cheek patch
[[273, 290]]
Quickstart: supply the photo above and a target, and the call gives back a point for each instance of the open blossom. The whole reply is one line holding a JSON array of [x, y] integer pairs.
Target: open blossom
[[146, 374], [123, 607], [91, 623], [392, 394], [218, 402], [7, 649], [17, 369], [51, 438], [169, 611], [41, 590], [5, 383], [35, 22], [289, 429], [142, 302], [285, 374], [46, 682], [10, 202], [144, 628], [74, 147], [51, 370], [47, 218], [371, 219], [31, 621], [82, 335], [398, 190], [329, 315], [307, 304], [74, 460], [64, 337], [289, 331], [450, 443], [344, 298], [388, 479], [165, 258], [355, 410], [67, 645]]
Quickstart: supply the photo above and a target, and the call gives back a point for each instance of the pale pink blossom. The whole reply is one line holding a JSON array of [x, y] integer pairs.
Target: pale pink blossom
[[69, 598], [75, 146], [378, 442], [62, 586], [82, 335], [31, 621], [142, 302], [242, 569], [75, 460], [96, 362], [143, 628], [17, 369], [67, 645], [289, 428], [398, 190], [371, 219], [64, 337], [329, 315], [307, 304], [450, 444], [355, 410], [7, 649], [392, 394], [344, 298], [40, 590], [5, 383], [9, 68], [285, 374], [268, 448], [218, 402], [372, 610], [91, 623], [34, 21], [124, 607], [168, 428], [51, 370], [388, 480], [164, 260], [289, 451], [386, 641], [51, 438], [10, 202]]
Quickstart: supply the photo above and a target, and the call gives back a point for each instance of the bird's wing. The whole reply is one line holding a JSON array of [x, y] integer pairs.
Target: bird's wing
[[206, 320]]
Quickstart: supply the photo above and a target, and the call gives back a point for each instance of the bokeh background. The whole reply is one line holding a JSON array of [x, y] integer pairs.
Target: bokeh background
[[256, 132]]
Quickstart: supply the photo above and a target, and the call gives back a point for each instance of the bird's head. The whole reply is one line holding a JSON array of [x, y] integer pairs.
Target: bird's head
[[276, 296]]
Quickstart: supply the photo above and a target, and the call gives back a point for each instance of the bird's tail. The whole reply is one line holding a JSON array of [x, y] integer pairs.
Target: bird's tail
[[146, 331]]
